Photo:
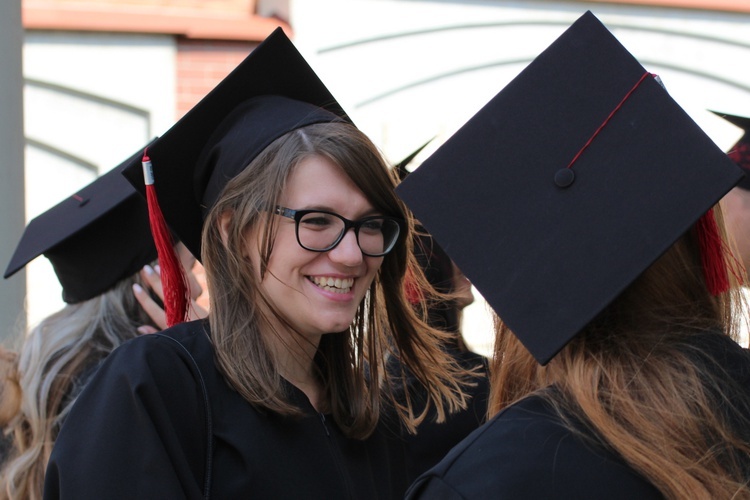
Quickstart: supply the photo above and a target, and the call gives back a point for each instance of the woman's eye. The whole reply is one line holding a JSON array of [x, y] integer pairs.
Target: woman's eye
[[372, 225], [316, 221]]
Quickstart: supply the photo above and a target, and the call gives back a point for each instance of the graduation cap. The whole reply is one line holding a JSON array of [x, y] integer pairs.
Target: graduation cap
[[740, 152], [567, 185], [94, 238], [272, 92], [401, 167]]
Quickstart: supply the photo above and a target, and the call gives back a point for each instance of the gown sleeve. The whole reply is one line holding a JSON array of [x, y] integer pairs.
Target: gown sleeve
[[139, 429]]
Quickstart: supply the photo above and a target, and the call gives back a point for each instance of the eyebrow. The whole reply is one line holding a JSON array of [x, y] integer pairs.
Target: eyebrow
[[368, 213]]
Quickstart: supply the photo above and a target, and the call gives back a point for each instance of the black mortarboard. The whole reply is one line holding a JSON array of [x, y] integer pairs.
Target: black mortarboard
[[94, 238], [272, 92], [548, 246], [740, 152], [401, 167]]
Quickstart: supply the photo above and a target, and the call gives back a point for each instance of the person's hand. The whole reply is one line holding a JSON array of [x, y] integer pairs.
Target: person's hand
[[155, 311]]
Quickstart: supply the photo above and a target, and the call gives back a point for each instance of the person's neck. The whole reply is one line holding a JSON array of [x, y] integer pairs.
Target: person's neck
[[294, 356]]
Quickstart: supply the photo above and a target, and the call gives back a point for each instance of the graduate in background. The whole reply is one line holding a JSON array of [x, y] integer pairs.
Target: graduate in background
[[585, 211], [292, 212], [97, 241], [736, 205], [737, 201]]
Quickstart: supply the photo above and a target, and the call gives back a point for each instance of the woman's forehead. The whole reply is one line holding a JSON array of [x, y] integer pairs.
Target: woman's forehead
[[318, 182]]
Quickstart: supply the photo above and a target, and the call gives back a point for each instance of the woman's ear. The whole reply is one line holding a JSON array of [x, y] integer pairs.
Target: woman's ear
[[224, 220]]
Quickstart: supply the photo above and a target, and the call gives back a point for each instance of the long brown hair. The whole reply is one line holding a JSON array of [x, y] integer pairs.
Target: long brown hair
[[638, 377], [350, 364]]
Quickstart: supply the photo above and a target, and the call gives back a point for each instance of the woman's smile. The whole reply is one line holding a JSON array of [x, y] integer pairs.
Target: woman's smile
[[333, 284]]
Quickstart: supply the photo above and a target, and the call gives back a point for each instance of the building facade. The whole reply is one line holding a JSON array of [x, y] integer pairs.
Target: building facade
[[102, 77]]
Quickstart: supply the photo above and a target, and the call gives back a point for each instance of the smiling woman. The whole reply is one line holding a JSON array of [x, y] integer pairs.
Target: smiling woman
[[278, 394], [302, 294], [322, 289]]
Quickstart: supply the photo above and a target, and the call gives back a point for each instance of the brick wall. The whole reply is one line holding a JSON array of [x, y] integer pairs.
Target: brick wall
[[234, 20], [212, 6], [201, 64]]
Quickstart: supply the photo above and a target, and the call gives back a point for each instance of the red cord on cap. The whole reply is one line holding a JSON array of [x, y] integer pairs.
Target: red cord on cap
[[411, 288], [709, 239], [712, 254], [617, 108], [174, 283]]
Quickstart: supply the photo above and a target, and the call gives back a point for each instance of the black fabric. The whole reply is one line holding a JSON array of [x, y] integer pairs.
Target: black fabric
[[549, 258], [243, 134], [419, 452], [526, 452], [94, 238], [433, 440], [139, 429], [725, 368]]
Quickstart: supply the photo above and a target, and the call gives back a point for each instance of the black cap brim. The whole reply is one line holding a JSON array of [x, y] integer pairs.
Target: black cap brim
[[93, 238]]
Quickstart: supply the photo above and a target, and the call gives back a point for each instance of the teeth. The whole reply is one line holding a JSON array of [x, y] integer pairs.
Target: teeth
[[336, 285]]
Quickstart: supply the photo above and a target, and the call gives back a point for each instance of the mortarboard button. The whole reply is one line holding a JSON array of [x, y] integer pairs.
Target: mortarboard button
[[564, 177]]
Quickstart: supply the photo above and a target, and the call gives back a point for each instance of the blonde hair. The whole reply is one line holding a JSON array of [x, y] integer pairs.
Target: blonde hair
[[639, 378], [10, 390], [55, 361], [350, 364]]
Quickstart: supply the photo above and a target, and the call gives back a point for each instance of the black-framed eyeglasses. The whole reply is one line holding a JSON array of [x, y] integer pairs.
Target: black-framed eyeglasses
[[321, 231]]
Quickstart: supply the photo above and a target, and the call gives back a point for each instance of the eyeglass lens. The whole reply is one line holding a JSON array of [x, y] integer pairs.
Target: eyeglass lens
[[321, 231]]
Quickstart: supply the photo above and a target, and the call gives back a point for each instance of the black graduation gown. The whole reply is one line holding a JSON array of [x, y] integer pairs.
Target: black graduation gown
[[433, 440], [526, 451], [159, 421]]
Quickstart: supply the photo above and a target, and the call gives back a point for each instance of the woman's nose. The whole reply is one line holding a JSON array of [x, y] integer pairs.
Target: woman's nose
[[347, 252]]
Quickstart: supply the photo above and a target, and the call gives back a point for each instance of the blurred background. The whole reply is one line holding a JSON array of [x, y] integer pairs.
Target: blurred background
[[85, 83]]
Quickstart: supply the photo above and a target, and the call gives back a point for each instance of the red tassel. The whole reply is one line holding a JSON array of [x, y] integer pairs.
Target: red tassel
[[411, 288], [172, 275], [740, 154], [712, 254]]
